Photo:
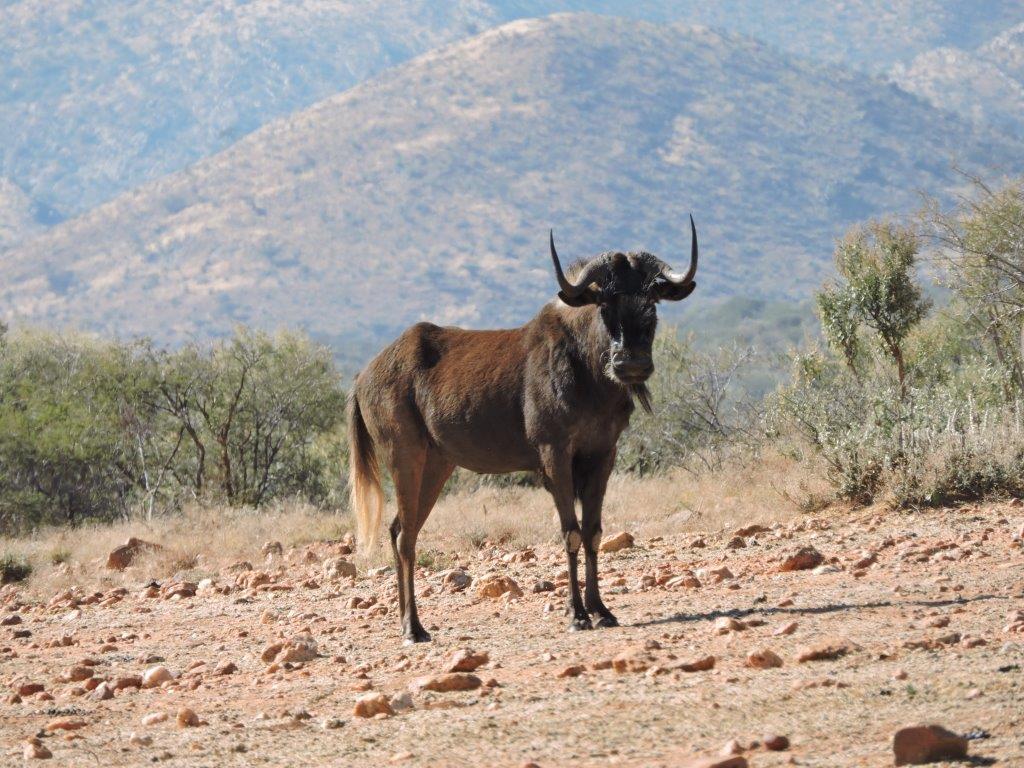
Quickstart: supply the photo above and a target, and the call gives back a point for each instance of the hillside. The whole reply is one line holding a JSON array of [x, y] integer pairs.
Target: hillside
[[427, 192], [16, 215], [100, 97], [985, 85]]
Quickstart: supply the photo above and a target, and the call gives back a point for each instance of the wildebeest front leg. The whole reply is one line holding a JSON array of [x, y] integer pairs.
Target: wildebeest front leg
[[593, 484], [558, 478]]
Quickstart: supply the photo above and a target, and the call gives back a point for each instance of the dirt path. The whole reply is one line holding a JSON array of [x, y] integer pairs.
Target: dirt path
[[924, 633]]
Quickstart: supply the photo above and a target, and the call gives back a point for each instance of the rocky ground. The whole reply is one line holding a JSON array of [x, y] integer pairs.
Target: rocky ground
[[804, 643]]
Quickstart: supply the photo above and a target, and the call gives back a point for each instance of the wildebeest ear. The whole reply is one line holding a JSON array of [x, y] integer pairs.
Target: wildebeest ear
[[665, 291], [589, 296]]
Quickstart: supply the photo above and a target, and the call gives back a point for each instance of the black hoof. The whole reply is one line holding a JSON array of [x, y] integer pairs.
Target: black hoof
[[580, 623], [606, 620], [419, 635]]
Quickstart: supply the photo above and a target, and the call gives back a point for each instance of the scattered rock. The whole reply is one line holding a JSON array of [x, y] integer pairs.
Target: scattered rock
[[696, 665], [102, 692], [922, 744], [123, 556], [127, 681], [826, 650], [76, 674], [764, 658], [495, 586], [456, 580], [338, 568], [187, 718], [685, 579], [138, 740], [722, 761], [301, 647], [731, 747], [66, 724], [371, 705], [272, 549], [270, 652], [401, 702], [785, 629], [156, 676], [10, 620], [36, 750], [633, 660], [28, 689], [573, 670], [617, 541], [775, 742], [154, 717], [725, 624], [801, 559], [465, 660], [225, 668], [718, 575], [450, 681]]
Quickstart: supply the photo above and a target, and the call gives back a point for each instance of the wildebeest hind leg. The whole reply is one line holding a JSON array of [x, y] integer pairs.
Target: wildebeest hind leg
[[407, 466]]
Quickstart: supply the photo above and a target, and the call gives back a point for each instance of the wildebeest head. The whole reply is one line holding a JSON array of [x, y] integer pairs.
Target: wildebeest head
[[626, 287]]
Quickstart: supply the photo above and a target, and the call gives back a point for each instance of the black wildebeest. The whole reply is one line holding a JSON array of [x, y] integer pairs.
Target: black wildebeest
[[552, 396]]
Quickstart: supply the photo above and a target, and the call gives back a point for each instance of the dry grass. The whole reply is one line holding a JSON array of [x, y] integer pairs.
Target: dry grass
[[201, 540], [195, 543], [772, 489]]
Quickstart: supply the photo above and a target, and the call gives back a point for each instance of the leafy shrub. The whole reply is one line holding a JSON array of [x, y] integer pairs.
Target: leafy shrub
[[13, 569], [94, 429], [699, 415]]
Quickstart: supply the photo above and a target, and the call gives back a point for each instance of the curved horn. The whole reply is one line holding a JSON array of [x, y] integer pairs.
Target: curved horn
[[563, 283], [588, 274], [676, 278]]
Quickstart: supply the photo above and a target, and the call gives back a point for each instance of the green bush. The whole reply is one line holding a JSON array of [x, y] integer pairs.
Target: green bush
[[698, 414], [96, 429], [913, 408], [13, 569]]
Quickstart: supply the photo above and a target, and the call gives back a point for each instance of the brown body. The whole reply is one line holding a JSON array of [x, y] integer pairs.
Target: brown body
[[552, 396]]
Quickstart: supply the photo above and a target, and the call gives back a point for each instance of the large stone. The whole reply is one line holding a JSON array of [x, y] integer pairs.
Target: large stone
[[617, 541], [701, 664], [36, 750], [922, 744], [123, 556], [763, 658], [154, 677], [456, 580], [301, 647], [338, 568], [465, 660], [802, 559], [826, 650], [450, 681], [187, 718], [496, 585], [372, 704]]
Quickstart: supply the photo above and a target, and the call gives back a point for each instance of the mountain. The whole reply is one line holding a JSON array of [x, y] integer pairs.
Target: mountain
[[985, 85], [427, 192], [99, 97], [17, 219]]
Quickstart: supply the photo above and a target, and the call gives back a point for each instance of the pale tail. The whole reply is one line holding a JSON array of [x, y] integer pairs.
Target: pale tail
[[364, 480]]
